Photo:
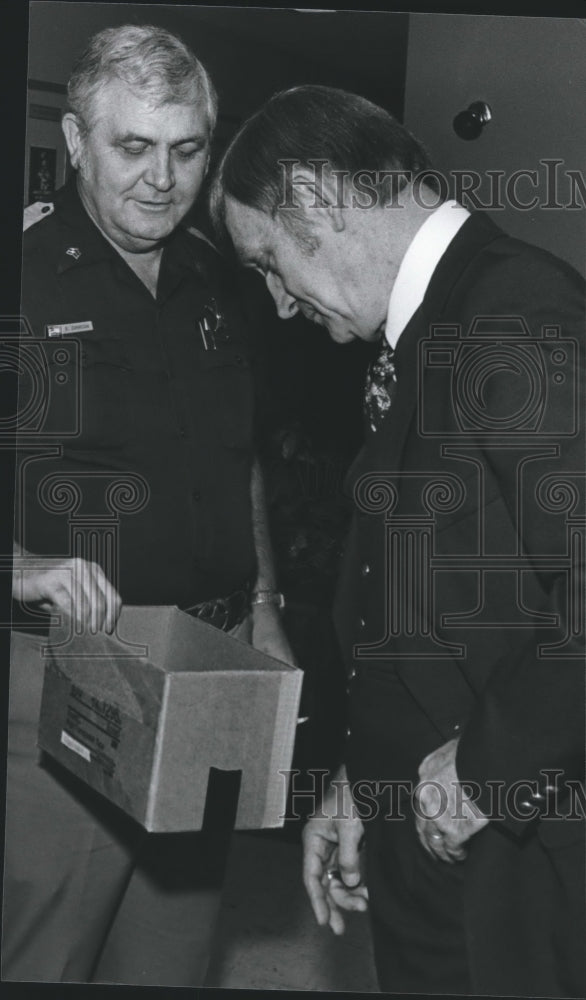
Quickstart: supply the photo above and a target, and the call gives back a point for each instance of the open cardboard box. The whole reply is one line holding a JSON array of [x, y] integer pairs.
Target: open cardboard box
[[143, 715]]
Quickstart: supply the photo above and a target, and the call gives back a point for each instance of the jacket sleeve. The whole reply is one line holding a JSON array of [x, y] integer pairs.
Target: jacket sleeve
[[526, 734]]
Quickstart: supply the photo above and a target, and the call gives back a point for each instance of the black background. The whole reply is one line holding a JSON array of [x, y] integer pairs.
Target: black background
[[13, 70]]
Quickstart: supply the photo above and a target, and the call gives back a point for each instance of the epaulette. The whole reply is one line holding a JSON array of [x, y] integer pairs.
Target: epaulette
[[35, 212]]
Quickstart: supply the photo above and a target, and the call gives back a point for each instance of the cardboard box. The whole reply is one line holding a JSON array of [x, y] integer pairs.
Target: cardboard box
[[142, 715]]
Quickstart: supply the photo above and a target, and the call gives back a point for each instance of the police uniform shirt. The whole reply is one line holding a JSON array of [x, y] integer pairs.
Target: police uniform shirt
[[135, 415]]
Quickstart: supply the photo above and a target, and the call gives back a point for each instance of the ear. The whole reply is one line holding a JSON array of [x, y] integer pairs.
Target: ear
[[320, 192], [73, 138]]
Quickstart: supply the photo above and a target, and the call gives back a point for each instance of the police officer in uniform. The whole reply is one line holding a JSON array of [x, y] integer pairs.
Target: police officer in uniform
[[147, 386]]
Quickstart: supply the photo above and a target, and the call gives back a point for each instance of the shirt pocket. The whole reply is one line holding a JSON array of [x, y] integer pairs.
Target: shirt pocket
[[230, 393], [97, 376]]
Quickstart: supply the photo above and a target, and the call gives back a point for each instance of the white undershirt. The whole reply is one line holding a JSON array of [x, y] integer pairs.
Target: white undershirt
[[420, 261]]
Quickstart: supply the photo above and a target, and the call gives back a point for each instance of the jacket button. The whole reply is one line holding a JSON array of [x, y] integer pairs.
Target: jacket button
[[362, 622], [352, 674], [365, 569], [348, 732], [457, 727]]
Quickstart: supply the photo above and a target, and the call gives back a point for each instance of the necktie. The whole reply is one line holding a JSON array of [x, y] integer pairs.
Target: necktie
[[381, 380]]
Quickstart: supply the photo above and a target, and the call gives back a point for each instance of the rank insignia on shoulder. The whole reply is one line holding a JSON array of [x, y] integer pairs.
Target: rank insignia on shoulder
[[62, 329], [35, 212], [74, 252]]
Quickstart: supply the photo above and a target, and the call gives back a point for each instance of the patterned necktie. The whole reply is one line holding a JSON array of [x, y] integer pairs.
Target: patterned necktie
[[381, 380]]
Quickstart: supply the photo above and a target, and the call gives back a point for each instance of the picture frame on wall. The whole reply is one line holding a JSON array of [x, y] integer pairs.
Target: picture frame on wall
[[42, 173], [46, 164]]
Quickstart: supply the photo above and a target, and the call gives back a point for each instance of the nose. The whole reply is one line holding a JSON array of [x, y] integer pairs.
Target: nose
[[159, 173], [285, 303]]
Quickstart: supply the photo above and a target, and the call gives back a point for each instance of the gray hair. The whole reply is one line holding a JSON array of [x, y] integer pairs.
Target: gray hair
[[150, 60], [306, 125]]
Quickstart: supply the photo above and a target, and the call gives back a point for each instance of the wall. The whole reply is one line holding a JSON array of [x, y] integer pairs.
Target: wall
[[532, 72], [249, 53]]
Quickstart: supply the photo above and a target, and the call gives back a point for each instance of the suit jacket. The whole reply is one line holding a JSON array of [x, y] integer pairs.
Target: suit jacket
[[464, 569]]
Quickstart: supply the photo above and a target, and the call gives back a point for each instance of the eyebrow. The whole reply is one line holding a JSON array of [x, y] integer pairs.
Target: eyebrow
[[134, 137]]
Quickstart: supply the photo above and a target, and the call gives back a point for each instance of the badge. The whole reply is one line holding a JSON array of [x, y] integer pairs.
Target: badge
[[74, 252], [212, 327], [61, 329]]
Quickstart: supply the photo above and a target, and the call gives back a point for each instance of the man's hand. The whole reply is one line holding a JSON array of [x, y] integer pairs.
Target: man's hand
[[268, 634], [455, 818], [74, 587], [332, 845]]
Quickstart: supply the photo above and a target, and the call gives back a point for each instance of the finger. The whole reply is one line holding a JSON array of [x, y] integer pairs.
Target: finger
[[91, 597], [431, 839], [349, 860], [96, 600], [60, 597], [336, 920], [99, 588], [113, 608], [422, 834], [355, 899], [316, 851], [317, 898], [110, 600], [440, 849], [80, 610], [455, 849]]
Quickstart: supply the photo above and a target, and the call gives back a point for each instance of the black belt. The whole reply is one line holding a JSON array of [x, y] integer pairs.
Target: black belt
[[223, 612]]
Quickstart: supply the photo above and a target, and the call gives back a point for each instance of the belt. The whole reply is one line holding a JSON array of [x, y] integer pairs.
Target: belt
[[223, 612]]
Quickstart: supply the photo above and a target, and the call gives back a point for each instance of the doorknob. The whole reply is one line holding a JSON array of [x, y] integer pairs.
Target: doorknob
[[470, 123]]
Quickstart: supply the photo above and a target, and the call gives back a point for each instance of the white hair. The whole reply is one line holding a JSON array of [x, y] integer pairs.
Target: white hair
[[150, 60]]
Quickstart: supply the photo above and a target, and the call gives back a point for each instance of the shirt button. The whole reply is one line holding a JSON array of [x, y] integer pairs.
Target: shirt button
[[362, 622], [365, 569], [348, 732], [457, 727], [196, 495]]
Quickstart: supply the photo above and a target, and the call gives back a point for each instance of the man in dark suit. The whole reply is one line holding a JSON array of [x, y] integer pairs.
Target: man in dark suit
[[460, 608]]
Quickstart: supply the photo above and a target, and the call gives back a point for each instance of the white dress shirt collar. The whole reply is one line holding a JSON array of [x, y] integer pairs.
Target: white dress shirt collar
[[420, 261]]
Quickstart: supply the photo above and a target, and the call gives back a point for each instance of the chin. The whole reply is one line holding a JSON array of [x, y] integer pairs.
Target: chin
[[155, 228]]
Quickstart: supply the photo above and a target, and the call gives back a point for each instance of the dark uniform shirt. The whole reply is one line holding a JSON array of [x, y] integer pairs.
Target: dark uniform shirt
[[136, 427]]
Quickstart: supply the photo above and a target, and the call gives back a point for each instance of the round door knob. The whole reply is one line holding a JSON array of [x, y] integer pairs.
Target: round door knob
[[470, 123]]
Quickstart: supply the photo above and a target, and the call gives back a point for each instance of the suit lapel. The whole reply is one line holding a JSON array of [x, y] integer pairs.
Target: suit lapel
[[476, 233]]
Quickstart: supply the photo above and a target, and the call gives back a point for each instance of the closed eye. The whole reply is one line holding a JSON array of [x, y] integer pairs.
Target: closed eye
[[134, 148], [186, 151]]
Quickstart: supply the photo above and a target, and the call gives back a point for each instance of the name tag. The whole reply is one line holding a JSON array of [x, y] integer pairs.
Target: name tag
[[61, 329]]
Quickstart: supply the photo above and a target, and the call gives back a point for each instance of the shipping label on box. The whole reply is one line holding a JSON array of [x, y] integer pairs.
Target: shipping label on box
[[142, 716]]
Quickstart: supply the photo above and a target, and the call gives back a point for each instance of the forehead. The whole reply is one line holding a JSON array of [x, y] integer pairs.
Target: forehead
[[253, 232], [118, 110]]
